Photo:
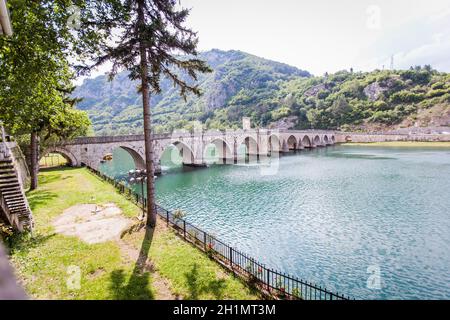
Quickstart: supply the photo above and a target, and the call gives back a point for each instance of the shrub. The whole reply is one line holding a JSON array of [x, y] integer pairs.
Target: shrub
[[406, 97], [438, 85], [436, 93], [380, 106], [386, 117], [280, 113], [417, 76], [323, 94], [5, 231]]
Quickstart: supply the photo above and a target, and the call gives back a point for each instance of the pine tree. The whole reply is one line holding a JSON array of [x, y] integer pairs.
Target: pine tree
[[148, 38]]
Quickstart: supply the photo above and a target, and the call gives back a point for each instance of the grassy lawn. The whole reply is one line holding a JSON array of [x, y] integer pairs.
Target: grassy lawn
[[410, 144], [192, 274], [48, 263]]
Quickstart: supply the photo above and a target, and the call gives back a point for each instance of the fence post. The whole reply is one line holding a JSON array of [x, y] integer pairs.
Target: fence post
[[204, 240], [167, 216], [231, 257], [184, 229], [268, 280]]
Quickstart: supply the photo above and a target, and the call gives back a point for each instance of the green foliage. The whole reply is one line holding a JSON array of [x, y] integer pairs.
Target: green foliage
[[243, 85], [6, 231], [437, 93], [35, 78], [417, 75], [392, 116], [380, 105], [280, 113], [405, 96]]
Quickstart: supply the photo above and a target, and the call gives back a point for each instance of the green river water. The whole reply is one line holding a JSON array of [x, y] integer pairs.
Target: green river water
[[370, 222]]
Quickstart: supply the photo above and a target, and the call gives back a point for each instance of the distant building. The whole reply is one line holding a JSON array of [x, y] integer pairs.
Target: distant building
[[246, 123]]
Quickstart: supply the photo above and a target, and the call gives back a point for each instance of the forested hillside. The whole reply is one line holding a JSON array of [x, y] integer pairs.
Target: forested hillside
[[115, 107], [276, 95], [378, 100]]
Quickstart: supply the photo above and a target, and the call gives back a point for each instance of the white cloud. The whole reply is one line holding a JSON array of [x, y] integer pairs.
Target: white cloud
[[325, 35], [435, 53]]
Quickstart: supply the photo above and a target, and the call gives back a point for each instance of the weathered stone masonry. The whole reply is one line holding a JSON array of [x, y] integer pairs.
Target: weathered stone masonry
[[192, 146]]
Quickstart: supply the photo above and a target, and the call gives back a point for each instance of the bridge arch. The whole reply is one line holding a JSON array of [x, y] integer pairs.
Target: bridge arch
[[250, 143], [333, 139], [139, 162], [186, 153], [224, 151], [69, 156], [274, 144], [317, 141], [292, 143], [325, 140], [306, 142]]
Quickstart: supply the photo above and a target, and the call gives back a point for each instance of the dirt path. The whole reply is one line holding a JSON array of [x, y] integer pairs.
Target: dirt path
[[100, 223], [161, 285], [92, 223]]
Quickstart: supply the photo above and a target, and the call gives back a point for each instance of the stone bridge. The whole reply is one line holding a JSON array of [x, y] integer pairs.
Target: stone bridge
[[230, 146]]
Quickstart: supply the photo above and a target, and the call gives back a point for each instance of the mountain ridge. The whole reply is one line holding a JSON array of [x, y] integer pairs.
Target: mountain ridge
[[274, 94]]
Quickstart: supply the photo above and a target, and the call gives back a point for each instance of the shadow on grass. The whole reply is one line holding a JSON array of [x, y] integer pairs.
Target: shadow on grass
[[137, 287], [54, 174], [41, 198], [49, 178], [24, 242], [197, 285]]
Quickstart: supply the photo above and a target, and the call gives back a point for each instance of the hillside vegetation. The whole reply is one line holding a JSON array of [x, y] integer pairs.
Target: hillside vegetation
[[273, 94]]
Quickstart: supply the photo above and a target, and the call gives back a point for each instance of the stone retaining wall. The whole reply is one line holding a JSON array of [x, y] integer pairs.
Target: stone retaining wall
[[367, 138]]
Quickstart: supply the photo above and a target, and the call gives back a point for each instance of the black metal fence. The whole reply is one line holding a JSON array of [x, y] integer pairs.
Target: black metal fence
[[271, 282]]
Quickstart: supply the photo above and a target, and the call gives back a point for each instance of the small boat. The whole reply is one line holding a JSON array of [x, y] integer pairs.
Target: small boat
[[108, 157]]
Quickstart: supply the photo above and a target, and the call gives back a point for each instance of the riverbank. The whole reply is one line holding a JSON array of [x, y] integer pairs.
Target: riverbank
[[407, 144], [137, 266]]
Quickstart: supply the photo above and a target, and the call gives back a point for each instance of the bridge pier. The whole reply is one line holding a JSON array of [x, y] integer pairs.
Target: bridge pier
[[228, 160], [195, 165], [158, 170]]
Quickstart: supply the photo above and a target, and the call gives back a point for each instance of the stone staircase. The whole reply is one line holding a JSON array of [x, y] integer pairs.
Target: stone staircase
[[14, 208]]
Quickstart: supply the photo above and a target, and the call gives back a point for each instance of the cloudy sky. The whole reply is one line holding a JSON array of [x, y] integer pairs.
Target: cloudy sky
[[328, 35]]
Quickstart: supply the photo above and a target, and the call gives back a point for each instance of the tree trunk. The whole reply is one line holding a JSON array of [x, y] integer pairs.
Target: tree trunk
[[34, 162], [151, 205]]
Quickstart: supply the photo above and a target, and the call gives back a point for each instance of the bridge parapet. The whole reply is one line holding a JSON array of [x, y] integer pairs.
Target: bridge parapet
[[112, 139]]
